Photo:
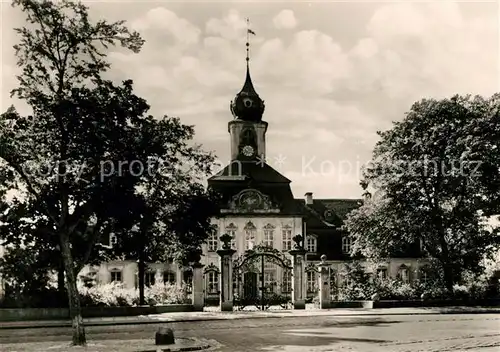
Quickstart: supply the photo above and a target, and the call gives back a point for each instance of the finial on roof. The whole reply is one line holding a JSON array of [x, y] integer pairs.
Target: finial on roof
[[247, 105]]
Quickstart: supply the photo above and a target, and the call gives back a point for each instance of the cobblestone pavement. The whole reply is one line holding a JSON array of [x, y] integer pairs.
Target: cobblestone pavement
[[307, 334]]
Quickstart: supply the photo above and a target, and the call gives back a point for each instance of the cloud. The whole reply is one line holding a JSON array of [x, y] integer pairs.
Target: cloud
[[230, 27], [163, 21], [285, 20], [327, 92]]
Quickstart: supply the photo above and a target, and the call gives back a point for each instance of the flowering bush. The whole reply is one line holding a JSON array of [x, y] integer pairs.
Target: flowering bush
[[113, 295]]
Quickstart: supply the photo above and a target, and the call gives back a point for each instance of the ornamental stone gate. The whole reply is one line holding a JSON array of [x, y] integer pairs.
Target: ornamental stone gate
[[262, 278]]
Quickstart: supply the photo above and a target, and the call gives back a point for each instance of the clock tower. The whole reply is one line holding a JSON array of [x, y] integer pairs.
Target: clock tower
[[247, 129]]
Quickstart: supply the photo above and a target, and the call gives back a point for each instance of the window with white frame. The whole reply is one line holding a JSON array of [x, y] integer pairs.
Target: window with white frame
[[269, 235], [346, 244], [169, 277], [311, 244], [231, 231], [404, 274], [116, 275], [212, 282], [150, 278], [311, 281], [286, 236], [287, 281], [250, 233], [213, 240]]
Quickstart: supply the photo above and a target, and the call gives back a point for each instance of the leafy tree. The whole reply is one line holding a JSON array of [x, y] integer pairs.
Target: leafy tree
[[357, 282], [170, 217], [79, 123], [433, 178]]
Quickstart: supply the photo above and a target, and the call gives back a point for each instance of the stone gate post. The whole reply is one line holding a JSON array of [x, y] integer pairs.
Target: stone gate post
[[299, 272], [226, 273], [324, 283], [198, 296]]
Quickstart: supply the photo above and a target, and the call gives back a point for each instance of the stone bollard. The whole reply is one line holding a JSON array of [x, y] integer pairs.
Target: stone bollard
[[165, 336]]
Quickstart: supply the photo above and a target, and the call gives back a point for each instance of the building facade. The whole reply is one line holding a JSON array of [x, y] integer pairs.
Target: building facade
[[258, 208]]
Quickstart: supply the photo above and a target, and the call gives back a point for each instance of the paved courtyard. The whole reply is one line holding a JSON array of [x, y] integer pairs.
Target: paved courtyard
[[408, 333]]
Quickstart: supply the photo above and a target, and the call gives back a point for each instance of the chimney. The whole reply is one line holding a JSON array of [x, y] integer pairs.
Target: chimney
[[309, 198]]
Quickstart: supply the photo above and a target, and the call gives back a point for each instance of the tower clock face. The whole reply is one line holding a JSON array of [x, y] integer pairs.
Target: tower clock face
[[248, 150]]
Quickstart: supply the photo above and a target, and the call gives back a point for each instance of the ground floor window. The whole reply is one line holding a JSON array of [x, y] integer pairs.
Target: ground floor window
[[382, 273], [212, 282], [311, 281], [287, 281], [169, 277], [116, 276], [150, 278]]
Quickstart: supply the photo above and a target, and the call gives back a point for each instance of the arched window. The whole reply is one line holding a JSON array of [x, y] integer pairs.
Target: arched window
[[112, 240], [248, 137], [269, 235], [213, 240], [231, 231], [312, 244], [212, 282], [250, 232], [346, 244], [404, 274]]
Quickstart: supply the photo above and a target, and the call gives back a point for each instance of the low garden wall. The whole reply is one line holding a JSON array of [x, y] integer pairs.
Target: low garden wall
[[433, 303], [27, 314]]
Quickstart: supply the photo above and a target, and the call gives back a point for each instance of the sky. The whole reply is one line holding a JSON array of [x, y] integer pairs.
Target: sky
[[331, 73]]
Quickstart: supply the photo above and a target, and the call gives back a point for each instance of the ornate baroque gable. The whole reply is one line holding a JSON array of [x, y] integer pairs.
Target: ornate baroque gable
[[251, 201]]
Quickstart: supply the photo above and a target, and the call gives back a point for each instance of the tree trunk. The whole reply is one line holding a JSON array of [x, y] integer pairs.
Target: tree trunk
[[75, 310], [142, 274], [60, 278], [448, 278]]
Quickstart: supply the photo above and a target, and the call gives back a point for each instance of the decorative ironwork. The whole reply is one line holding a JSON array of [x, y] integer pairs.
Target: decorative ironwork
[[211, 267], [251, 200], [246, 274]]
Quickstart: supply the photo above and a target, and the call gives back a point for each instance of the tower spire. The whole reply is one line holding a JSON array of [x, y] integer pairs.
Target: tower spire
[[248, 105], [248, 41]]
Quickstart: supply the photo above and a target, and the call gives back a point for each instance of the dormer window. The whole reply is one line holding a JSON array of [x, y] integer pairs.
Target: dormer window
[[346, 245], [112, 240], [312, 244]]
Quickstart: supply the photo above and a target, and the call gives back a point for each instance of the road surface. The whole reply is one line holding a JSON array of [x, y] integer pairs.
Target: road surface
[[409, 333]]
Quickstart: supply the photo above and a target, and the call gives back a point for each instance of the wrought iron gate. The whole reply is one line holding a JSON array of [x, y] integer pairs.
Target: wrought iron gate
[[262, 278]]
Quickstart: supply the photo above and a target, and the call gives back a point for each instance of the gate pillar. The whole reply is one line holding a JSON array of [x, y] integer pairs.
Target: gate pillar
[[324, 283], [299, 272], [198, 297], [226, 273]]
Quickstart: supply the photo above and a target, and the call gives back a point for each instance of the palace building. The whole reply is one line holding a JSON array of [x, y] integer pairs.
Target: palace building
[[259, 209]]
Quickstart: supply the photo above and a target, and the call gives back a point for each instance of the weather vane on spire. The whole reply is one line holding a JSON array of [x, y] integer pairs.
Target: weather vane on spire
[[249, 31]]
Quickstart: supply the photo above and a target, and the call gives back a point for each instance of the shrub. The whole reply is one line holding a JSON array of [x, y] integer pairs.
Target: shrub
[[113, 295]]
